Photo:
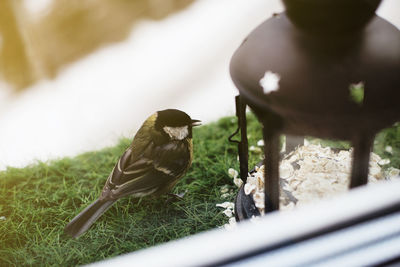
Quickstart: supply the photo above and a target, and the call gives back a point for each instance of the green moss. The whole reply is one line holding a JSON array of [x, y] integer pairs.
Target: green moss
[[389, 137], [357, 93], [39, 200]]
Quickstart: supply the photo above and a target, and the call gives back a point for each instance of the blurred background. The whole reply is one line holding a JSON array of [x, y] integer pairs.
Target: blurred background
[[77, 75]]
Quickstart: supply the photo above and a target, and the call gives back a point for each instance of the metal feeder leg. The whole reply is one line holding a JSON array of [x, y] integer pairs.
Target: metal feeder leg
[[271, 169], [243, 143], [360, 166]]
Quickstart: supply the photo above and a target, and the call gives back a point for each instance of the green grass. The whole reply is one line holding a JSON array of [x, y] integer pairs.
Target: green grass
[[39, 200]]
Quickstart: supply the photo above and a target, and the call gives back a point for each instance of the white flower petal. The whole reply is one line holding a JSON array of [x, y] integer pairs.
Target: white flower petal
[[384, 162], [226, 205], [231, 225], [226, 195], [228, 212], [233, 173], [224, 189], [285, 170], [238, 182], [270, 82], [389, 149], [306, 142], [249, 188], [255, 149], [393, 172]]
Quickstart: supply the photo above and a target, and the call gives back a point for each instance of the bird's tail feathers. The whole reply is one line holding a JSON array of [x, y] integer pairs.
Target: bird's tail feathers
[[82, 222]]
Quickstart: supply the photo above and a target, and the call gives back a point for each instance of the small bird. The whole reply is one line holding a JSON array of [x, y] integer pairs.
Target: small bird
[[160, 154]]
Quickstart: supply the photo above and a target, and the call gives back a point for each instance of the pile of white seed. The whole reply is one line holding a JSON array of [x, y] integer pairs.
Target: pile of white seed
[[307, 174], [313, 172]]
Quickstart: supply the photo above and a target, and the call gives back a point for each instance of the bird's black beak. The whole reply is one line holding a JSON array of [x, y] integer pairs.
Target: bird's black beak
[[196, 123]]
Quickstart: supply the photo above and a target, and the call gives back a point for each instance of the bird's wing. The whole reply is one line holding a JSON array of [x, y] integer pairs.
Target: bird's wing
[[128, 169], [156, 168], [138, 178], [137, 159], [170, 161]]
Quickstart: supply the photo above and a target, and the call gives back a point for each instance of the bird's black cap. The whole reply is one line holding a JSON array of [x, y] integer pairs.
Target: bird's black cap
[[173, 118]]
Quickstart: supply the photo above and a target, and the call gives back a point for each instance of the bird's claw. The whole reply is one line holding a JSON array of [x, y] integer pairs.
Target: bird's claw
[[175, 197]]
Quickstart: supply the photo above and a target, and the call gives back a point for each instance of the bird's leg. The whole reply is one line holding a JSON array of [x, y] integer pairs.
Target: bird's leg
[[175, 197]]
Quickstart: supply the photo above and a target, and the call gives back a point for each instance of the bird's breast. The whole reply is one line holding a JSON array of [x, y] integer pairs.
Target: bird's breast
[[174, 157]]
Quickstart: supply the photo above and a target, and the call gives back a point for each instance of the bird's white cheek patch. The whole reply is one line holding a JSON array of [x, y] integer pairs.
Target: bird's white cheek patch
[[177, 133], [270, 82]]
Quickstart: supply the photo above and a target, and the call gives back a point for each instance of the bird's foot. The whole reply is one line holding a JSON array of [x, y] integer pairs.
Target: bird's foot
[[175, 197]]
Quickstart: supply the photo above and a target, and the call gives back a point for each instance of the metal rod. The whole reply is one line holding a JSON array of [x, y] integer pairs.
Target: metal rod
[[362, 149], [271, 170], [243, 145]]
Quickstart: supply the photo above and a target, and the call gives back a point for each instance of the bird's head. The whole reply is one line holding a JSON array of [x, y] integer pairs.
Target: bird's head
[[175, 123]]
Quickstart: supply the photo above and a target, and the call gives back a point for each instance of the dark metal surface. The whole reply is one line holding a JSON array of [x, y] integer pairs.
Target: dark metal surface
[[316, 73], [243, 143], [362, 149], [316, 16], [245, 207], [271, 169], [318, 61]]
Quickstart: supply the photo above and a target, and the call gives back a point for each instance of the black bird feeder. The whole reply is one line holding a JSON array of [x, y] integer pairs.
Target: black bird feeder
[[300, 71]]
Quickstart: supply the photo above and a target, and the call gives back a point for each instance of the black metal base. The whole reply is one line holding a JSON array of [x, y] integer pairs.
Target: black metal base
[[245, 207]]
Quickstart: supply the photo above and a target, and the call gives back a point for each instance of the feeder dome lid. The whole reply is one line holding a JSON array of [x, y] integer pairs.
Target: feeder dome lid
[[312, 75]]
